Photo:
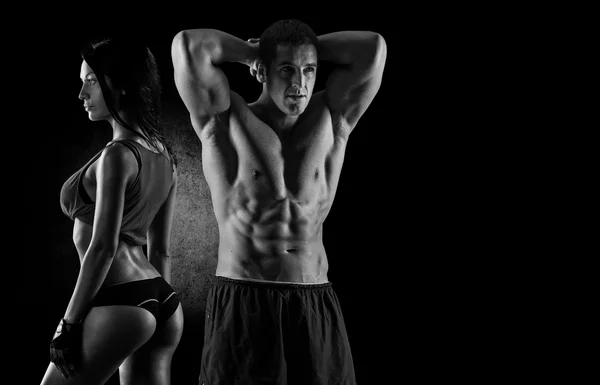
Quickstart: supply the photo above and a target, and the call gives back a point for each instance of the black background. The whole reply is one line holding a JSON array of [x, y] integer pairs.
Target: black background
[[416, 232]]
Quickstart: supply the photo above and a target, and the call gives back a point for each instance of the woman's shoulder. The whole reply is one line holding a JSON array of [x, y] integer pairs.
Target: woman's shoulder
[[117, 157], [119, 149]]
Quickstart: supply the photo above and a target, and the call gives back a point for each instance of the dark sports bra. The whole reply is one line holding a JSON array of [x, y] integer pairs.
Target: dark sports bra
[[143, 198]]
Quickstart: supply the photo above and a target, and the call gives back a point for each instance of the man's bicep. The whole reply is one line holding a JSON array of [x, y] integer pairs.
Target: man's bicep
[[203, 87], [203, 94], [349, 93], [351, 89]]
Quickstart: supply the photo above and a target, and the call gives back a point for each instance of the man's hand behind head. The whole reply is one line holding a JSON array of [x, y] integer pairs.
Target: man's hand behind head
[[253, 64]]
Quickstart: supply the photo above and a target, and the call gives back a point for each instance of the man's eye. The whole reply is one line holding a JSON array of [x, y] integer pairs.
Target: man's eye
[[91, 81]]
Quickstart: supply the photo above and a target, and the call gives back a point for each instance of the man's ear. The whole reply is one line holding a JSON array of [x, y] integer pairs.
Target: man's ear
[[261, 72]]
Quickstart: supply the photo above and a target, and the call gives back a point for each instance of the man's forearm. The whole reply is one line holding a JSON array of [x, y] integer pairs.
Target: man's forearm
[[219, 45], [358, 48]]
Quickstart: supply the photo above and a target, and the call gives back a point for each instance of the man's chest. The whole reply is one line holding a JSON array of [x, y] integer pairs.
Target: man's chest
[[292, 158]]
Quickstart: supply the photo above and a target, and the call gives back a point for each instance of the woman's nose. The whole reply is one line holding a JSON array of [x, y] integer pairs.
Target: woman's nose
[[82, 94]]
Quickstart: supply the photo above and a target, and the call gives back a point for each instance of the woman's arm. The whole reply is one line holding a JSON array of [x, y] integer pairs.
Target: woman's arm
[[116, 167]]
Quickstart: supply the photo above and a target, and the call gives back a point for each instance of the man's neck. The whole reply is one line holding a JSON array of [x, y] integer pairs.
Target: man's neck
[[268, 112]]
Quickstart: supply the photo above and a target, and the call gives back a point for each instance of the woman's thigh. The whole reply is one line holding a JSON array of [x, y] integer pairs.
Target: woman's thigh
[[151, 364], [110, 335]]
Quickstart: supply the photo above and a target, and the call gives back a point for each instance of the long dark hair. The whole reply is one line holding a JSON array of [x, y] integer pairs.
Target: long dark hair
[[132, 67]]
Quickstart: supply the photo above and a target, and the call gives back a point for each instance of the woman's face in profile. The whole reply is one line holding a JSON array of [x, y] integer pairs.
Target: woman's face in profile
[[91, 94]]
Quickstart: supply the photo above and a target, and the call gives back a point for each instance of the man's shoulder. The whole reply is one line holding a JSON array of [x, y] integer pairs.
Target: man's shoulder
[[318, 101], [237, 101], [317, 107], [319, 110]]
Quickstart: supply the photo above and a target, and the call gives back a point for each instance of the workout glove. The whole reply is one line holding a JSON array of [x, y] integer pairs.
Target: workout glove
[[65, 348]]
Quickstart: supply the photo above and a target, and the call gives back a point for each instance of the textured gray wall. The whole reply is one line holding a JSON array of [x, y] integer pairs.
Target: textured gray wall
[[195, 234], [194, 240]]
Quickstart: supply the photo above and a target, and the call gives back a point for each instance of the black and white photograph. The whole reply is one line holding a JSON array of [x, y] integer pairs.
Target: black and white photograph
[[221, 200]]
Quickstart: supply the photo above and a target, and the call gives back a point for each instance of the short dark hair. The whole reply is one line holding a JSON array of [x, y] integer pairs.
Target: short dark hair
[[131, 66], [287, 32]]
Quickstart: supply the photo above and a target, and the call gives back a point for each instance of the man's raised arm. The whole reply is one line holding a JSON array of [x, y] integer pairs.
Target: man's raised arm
[[201, 84], [359, 58]]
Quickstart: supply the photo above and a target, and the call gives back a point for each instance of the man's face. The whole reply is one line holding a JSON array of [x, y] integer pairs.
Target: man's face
[[291, 77]]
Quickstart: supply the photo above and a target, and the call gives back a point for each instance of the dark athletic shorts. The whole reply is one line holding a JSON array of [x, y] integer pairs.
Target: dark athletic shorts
[[274, 333]]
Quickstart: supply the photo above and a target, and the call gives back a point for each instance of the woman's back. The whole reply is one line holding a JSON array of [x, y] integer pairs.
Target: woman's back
[[143, 199]]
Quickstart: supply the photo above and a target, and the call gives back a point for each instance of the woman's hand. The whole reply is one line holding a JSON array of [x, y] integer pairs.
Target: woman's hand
[[65, 348]]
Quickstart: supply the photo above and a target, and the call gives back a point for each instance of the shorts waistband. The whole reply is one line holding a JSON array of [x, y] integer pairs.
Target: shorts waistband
[[221, 280]]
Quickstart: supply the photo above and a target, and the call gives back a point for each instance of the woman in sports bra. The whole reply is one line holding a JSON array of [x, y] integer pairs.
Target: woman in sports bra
[[123, 313]]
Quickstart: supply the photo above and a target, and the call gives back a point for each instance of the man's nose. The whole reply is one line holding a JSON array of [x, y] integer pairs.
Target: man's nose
[[298, 81]]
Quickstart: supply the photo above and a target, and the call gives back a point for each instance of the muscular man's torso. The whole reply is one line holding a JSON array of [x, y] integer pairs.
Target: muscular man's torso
[[272, 192]]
